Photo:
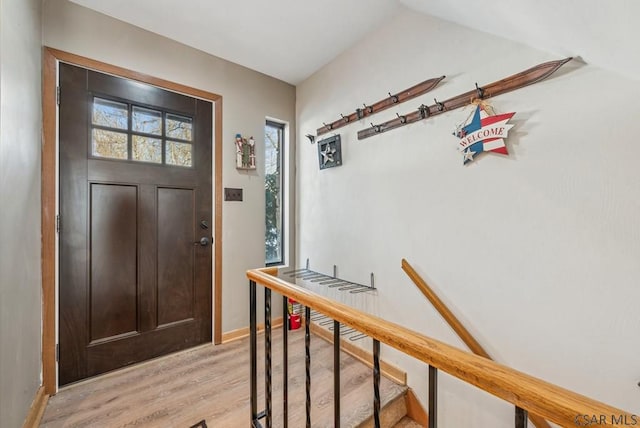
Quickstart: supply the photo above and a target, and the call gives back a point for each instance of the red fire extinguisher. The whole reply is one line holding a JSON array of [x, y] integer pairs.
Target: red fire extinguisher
[[294, 317]]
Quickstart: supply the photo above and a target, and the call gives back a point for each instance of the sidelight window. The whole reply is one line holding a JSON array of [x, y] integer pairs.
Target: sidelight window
[[274, 192], [129, 132]]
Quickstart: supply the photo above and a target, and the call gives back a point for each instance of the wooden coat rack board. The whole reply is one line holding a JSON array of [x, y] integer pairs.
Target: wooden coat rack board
[[368, 110], [508, 84]]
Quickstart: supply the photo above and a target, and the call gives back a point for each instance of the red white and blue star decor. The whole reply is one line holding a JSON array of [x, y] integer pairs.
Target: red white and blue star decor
[[484, 133]]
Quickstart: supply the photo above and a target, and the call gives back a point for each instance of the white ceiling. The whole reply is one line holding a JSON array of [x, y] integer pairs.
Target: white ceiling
[[291, 39]]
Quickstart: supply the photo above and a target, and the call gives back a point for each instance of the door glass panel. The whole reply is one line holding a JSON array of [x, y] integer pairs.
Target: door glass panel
[[178, 153], [146, 149], [109, 144], [110, 113], [179, 127], [146, 121]]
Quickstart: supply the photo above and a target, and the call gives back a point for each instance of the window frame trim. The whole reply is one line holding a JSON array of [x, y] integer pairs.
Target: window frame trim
[[281, 129]]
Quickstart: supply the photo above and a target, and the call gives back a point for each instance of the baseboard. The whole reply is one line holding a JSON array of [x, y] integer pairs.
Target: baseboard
[[362, 355], [243, 332], [415, 410], [37, 409]]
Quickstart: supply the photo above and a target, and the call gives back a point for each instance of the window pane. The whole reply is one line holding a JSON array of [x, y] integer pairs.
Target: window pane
[[147, 121], [109, 144], [179, 127], [110, 113], [178, 153], [273, 142], [146, 149]]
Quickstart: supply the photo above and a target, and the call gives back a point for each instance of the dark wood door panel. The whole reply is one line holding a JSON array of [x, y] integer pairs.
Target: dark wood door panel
[[142, 346], [139, 173], [74, 190], [113, 283], [139, 93], [176, 238], [133, 285]]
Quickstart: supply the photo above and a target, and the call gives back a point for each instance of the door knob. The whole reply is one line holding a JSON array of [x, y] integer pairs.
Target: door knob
[[204, 241]]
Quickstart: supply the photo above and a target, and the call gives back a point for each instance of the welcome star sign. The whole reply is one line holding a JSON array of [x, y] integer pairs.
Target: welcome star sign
[[484, 133]]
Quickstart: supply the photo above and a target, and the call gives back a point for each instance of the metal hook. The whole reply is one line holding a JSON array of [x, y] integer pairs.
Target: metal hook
[[368, 108], [439, 104], [345, 118], [376, 128], [394, 98], [359, 113], [403, 119], [424, 111], [312, 138], [329, 126], [479, 91]]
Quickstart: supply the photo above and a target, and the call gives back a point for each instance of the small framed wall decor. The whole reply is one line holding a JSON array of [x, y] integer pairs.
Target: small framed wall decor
[[245, 152], [329, 152]]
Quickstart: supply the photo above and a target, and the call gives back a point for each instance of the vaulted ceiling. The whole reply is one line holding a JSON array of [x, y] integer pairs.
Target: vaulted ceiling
[[291, 39]]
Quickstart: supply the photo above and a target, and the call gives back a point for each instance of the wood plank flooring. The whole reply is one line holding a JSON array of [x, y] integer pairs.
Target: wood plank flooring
[[212, 383]]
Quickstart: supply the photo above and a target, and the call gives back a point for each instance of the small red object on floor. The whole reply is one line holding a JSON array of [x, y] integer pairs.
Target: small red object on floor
[[294, 321]]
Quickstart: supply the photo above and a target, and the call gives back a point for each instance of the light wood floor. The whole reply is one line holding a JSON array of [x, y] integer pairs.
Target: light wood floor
[[212, 383]]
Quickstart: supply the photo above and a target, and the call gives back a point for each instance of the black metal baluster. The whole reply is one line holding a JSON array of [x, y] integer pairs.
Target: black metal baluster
[[336, 374], [253, 351], [307, 362], [522, 417], [267, 355], [376, 383], [285, 361], [433, 397]]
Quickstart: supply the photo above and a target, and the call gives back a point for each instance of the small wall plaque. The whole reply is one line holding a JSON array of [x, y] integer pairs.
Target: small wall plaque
[[329, 152], [245, 152]]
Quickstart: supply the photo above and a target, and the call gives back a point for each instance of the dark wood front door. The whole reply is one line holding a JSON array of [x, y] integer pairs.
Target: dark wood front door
[[135, 214]]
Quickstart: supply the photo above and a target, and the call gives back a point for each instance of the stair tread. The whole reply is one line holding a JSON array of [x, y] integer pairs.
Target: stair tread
[[407, 422]]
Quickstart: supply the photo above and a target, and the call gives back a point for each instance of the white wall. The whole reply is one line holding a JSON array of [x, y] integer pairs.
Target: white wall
[[536, 252], [20, 131], [248, 98]]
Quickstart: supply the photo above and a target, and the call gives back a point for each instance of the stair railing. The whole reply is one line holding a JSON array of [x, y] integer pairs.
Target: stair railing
[[526, 392], [458, 327]]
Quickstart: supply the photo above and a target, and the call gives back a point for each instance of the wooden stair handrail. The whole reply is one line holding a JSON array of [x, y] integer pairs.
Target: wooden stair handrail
[[449, 317], [550, 401], [456, 325]]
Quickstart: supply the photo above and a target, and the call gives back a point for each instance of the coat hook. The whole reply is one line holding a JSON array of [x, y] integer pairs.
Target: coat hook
[[368, 108], [345, 118], [479, 91], [424, 111], [329, 126], [312, 138], [376, 128], [439, 104], [359, 113], [394, 98], [403, 119]]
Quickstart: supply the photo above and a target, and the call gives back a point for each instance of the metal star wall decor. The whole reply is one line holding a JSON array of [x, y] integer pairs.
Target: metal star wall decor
[[329, 152], [483, 133]]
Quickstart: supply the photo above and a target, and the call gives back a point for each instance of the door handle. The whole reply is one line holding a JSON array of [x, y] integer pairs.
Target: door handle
[[204, 241]]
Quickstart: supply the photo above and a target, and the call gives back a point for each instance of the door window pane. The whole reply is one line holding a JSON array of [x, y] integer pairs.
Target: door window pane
[[109, 144], [146, 121], [146, 149], [178, 153], [179, 127], [111, 114]]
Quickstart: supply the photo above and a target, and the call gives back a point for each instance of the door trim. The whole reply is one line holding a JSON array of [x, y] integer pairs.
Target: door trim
[[51, 58]]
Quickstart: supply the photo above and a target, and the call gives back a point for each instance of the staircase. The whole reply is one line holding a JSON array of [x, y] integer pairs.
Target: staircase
[[356, 388], [393, 415]]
